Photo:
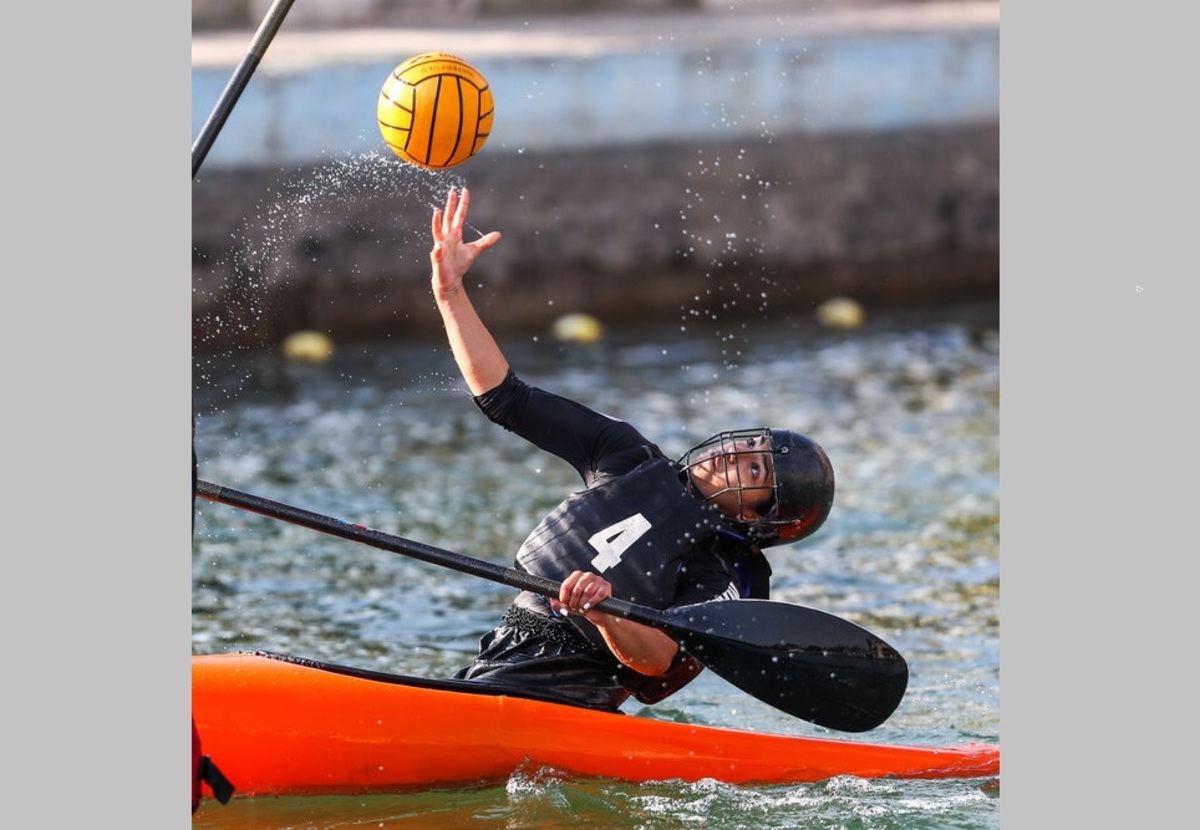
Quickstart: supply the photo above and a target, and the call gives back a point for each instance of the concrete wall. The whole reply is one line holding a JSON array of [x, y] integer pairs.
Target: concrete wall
[[210, 15], [641, 167]]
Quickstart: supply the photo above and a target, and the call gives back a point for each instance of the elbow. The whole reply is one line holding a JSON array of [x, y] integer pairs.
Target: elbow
[[658, 662], [650, 668]]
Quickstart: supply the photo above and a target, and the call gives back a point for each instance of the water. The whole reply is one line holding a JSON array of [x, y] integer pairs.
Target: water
[[549, 802], [384, 435]]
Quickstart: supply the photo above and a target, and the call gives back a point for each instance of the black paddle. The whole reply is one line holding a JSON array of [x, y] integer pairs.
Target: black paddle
[[805, 662]]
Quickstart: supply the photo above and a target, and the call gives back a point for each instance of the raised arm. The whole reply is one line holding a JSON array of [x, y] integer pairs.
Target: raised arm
[[479, 359], [646, 650]]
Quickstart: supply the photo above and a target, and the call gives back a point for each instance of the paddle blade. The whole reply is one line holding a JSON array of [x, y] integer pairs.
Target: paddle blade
[[802, 661]]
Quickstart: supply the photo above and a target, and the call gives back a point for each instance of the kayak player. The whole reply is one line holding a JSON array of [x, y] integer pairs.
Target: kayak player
[[645, 528]]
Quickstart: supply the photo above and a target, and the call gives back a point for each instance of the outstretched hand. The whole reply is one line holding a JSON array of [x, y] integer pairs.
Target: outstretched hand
[[451, 257]]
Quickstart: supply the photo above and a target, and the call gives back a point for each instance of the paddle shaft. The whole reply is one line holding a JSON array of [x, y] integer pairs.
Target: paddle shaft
[[237, 82], [418, 550]]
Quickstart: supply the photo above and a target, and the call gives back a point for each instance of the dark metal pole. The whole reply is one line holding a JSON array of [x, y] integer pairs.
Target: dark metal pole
[[237, 83]]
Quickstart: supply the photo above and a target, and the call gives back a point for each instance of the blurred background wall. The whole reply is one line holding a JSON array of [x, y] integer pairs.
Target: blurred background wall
[[736, 158]]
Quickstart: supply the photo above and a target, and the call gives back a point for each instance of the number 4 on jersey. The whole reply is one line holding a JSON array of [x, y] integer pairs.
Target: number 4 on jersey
[[615, 539]]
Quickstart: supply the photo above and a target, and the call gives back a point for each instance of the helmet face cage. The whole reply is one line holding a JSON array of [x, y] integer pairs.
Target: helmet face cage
[[801, 494], [734, 443]]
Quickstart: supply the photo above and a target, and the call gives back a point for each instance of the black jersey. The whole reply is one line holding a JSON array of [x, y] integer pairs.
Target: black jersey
[[636, 524]]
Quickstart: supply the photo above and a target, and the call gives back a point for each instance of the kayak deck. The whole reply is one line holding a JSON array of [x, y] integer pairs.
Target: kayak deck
[[281, 726]]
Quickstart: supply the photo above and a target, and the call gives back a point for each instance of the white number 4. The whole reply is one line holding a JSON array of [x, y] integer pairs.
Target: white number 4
[[615, 539]]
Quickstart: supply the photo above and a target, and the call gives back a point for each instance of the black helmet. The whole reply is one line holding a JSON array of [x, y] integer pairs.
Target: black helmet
[[803, 490], [802, 495]]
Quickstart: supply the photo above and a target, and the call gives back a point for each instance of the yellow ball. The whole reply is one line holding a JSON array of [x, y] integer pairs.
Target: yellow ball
[[435, 110], [308, 347], [840, 313], [577, 328]]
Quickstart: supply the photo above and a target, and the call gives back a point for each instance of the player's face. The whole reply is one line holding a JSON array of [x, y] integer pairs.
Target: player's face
[[736, 476]]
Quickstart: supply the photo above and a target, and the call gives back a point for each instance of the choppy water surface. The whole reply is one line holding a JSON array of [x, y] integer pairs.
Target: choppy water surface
[[385, 436]]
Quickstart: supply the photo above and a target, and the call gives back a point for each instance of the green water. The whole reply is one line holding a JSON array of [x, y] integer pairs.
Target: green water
[[384, 435], [548, 802]]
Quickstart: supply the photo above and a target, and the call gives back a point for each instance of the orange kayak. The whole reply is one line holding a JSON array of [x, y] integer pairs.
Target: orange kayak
[[276, 725]]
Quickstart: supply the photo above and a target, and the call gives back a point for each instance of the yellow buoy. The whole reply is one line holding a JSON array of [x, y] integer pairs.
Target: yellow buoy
[[840, 313], [308, 347], [577, 328]]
